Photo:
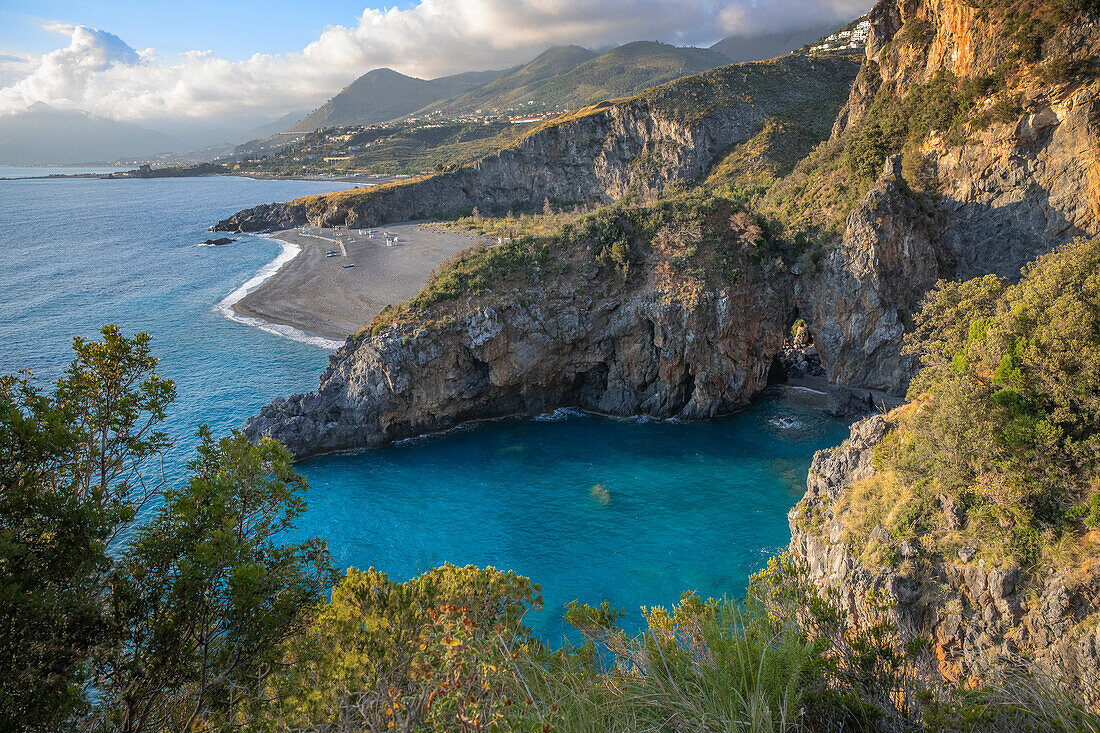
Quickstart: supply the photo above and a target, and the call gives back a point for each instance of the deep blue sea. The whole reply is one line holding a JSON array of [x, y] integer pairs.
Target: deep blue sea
[[681, 506]]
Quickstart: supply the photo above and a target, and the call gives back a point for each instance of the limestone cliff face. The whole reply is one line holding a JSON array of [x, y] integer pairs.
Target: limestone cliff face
[[1010, 192], [538, 349], [867, 287], [979, 616], [672, 133], [1023, 188]]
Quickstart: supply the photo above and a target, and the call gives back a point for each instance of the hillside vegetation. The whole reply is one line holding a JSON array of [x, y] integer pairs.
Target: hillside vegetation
[[999, 447], [204, 620], [384, 94], [922, 115], [517, 86], [799, 86]]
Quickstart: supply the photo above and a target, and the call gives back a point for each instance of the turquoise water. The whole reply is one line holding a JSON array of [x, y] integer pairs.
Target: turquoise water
[[688, 506], [683, 506]]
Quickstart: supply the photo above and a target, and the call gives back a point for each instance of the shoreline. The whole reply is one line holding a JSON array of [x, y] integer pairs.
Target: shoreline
[[227, 305], [364, 180], [319, 300]]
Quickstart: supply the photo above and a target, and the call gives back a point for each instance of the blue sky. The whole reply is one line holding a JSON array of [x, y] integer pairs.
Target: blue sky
[[231, 28]]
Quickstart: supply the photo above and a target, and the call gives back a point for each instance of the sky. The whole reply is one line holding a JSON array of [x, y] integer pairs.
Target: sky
[[152, 60]]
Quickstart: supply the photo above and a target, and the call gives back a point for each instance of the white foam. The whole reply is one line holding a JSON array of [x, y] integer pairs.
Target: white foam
[[785, 423], [562, 413], [289, 252], [805, 389]]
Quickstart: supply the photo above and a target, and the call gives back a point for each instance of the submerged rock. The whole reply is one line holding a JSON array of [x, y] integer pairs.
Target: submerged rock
[[600, 494]]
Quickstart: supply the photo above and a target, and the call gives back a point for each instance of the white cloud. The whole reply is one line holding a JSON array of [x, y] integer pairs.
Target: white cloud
[[14, 68], [98, 72]]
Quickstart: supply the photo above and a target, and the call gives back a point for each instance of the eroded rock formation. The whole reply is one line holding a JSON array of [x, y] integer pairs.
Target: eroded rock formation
[[980, 617], [1012, 191], [584, 339]]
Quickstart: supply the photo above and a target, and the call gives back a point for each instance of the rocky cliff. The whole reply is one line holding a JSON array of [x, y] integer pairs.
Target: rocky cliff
[[1018, 178], [673, 132], [576, 333], [979, 615]]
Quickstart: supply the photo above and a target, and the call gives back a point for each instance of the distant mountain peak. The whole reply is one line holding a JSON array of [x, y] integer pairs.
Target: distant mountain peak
[[44, 134]]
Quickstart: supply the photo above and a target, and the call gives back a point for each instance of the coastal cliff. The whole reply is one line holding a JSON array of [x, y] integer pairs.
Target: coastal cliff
[[969, 146], [1005, 166], [981, 616], [671, 133], [962, 540], [565, 325]]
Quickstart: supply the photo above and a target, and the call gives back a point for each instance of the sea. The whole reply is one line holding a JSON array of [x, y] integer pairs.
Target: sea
[[634, 512]]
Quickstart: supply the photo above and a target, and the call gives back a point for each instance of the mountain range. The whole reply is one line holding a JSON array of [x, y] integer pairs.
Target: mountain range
[[384, 94], [42, 134], [562, 77]]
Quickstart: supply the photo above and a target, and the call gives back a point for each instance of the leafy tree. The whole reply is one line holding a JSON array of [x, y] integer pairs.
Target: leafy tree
[[115, 401], [174, 625], [206, 593], [1007, 412], [429, 651], [71, 479]]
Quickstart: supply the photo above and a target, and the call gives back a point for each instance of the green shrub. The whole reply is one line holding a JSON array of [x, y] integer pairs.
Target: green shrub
[[918, 31]]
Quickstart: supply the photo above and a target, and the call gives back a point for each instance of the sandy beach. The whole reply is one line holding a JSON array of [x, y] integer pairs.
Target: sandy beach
[[318, 294]]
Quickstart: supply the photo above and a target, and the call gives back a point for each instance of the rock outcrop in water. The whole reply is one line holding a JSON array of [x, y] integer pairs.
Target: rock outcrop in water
[[674, 132]]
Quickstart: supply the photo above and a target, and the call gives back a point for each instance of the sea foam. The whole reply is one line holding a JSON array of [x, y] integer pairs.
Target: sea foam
[[289, 252]]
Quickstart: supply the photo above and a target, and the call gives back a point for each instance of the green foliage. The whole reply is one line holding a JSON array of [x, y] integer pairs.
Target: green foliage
[[72, 476], [1008, 414], [205, 593], [1092, 517], [799, 330], [108, 627], [918, 31], [447, 651], [1061, 69], [426, 653], [612, 243], [941, 105], [592, 619], [479, 269]]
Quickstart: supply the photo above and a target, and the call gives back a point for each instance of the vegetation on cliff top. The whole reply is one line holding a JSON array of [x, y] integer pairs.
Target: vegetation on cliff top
[[683, 245], [913, 112], [999, 447], [687, 100]]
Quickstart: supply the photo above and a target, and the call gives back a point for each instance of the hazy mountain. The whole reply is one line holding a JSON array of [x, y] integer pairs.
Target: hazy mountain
[[561, 76], [518, 84], [384, 94], [768, 45], [42, 134], [571, 76]]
